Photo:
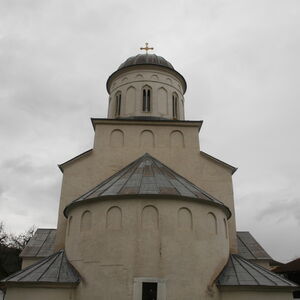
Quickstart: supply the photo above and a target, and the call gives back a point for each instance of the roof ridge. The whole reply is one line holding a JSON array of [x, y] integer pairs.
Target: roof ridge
[[105, 181], [240, 271], [239, 262], [49, 270], [51, 263], [61, 261], [179, 185], [264, 270], [132, 171], [48, 233], [33, 266], [234, 268], [246, 246]]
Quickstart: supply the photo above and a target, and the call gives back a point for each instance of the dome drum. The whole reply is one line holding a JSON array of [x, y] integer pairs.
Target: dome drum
[[146, 61], [146, 90]]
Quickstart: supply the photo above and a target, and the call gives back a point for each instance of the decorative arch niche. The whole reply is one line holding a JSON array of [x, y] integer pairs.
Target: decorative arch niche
[[117, 138], [154, 77], [225, 228], [185, 219], [212, 223], [86, 221], [147, 139], [162, 98], [150, 217], [130, 100], [114, 218], [177, 139], [70, 224]]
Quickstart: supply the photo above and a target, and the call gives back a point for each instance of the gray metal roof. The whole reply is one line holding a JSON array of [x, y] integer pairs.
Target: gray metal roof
[[240, 272], [249, 248], [54, 269], [148, 176], [41, 244], [146, 59]]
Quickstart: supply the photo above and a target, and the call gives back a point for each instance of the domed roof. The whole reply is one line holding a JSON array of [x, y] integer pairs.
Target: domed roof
[[143, 60], [146, 59]]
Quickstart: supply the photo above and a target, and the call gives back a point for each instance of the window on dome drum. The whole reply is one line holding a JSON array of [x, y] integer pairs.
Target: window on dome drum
[[118, 105], [146, 99], [149, 291], [175, 106]]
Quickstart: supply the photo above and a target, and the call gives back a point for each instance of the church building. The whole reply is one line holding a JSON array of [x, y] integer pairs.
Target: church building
[[146, 214]]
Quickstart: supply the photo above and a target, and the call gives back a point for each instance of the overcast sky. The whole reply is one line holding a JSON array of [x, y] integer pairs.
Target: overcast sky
[[241, 62]]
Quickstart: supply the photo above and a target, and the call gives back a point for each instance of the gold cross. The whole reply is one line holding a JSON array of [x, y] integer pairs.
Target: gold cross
[[147, 48]]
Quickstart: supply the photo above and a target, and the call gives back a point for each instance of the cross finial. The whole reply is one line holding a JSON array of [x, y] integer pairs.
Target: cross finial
[[146, 48]]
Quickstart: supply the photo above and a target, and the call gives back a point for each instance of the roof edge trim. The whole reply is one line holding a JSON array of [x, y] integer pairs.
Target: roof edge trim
[[232, 168], [256, 287], [61, 166], [197, 123], [152, 196]]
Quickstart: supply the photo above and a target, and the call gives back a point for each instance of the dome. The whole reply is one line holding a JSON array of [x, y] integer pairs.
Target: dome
[[146, 59]]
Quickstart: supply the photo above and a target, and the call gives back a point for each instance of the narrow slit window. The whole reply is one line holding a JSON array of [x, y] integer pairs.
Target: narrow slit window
[[118, 104], [175, 106], [146, 99], [149, 291]]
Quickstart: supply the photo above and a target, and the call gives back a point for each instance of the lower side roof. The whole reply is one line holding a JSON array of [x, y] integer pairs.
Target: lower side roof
[[54, 269], [240, 272]]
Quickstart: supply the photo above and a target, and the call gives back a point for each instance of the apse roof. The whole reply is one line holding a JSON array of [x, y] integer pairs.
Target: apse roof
[[54, 269], [249, 248], [41, 244], [240, 272], [148, 176]]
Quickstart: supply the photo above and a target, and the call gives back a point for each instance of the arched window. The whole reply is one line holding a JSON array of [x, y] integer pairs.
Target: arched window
[[175, 105], [118, 104], [146, 99]]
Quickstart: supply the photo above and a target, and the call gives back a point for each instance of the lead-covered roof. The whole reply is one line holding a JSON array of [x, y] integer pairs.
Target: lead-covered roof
[[146, 60], [249, 248], [240, 272], [41, 244], [148, 176], [54, 269]]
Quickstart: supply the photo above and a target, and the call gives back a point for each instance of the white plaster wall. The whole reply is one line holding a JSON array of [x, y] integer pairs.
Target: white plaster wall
[[55, 293], [110, 154], [131, 83], [174, 240]]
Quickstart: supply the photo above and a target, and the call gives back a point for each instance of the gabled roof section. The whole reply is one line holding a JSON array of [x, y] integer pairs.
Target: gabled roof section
[[61, 166], [240, 272], [41, 244], [54, 269], [224, 164], [249, 248], [148, 176]]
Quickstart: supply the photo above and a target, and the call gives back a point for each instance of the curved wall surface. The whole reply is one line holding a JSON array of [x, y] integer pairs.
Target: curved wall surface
[[118, 244], [162, 85]]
